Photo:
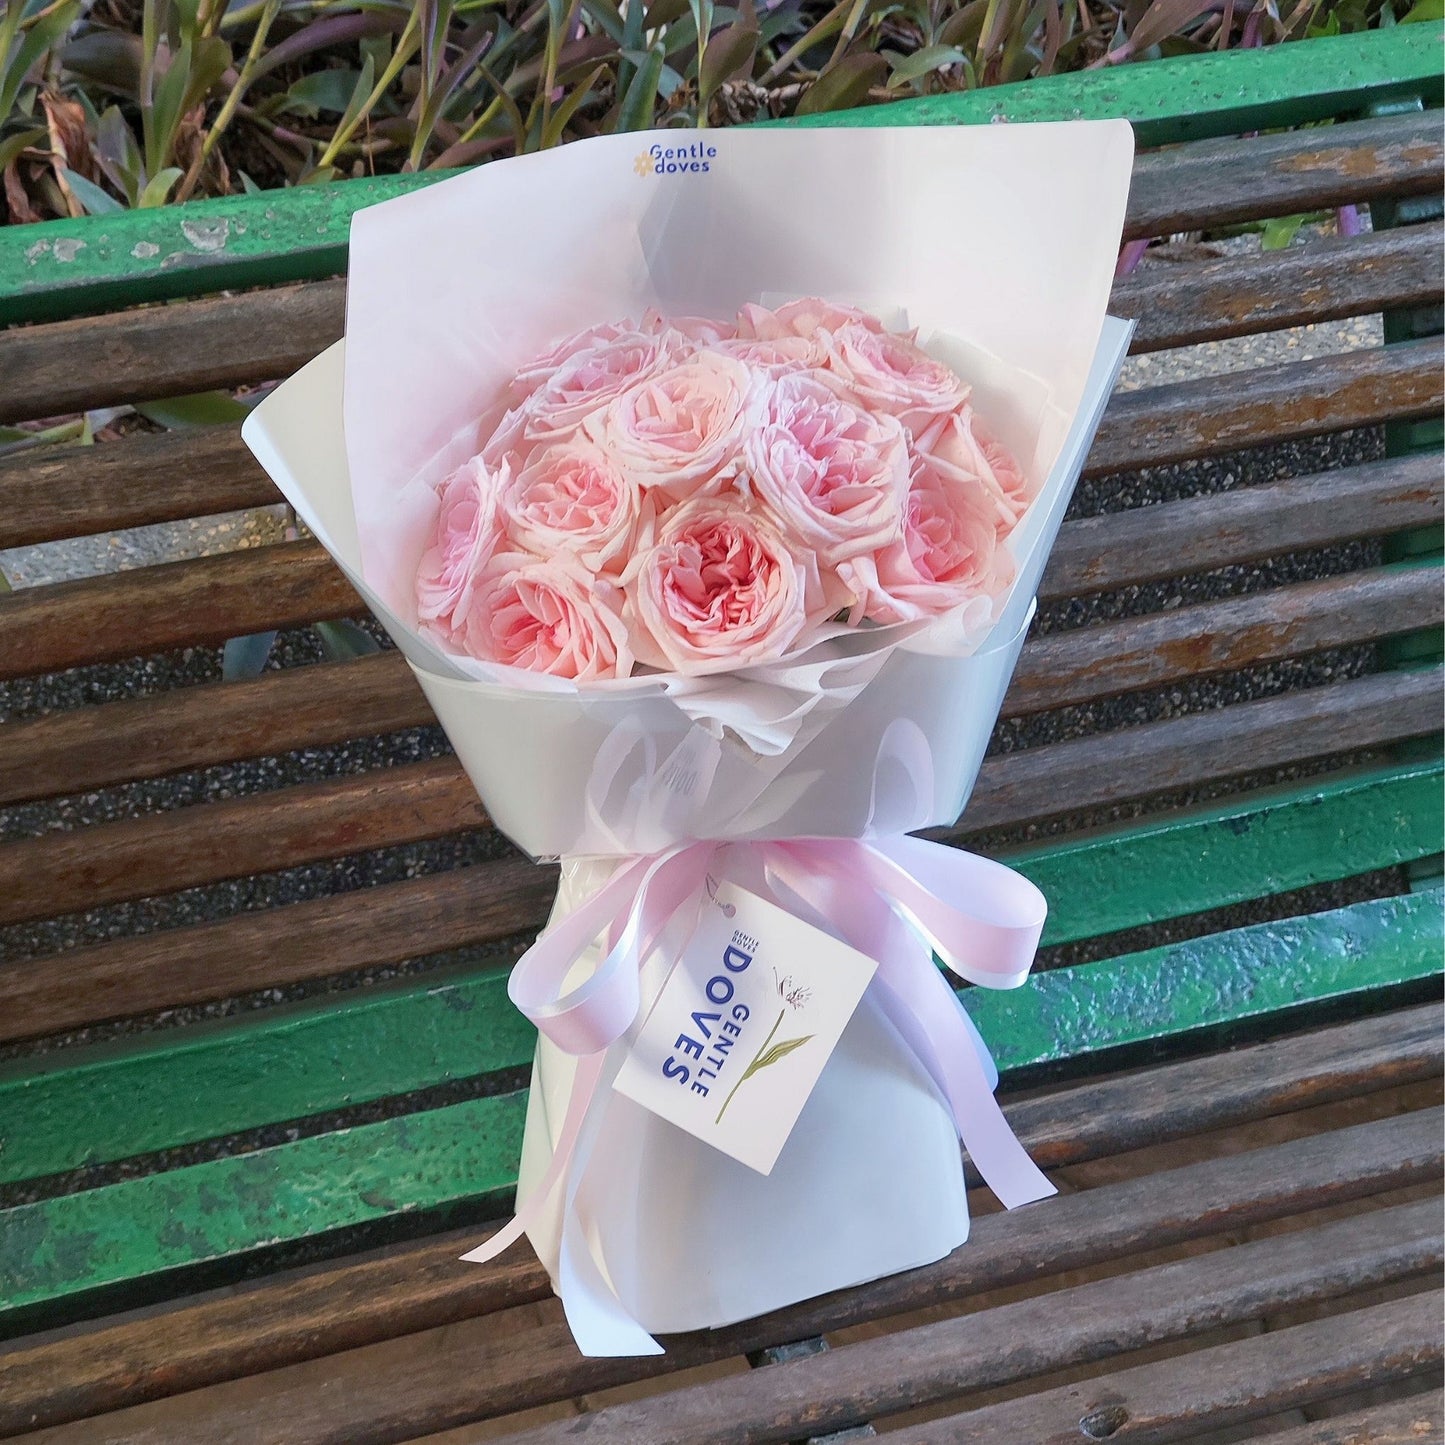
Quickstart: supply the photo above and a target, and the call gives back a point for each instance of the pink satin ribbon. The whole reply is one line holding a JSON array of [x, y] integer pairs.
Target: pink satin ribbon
[[896, 899]]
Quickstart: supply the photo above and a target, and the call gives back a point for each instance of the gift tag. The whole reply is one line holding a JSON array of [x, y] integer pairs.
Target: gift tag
[[743, 1026]]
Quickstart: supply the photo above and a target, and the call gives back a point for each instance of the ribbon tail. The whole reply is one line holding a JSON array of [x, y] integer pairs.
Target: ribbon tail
[[529, 1211], [947, 1043]]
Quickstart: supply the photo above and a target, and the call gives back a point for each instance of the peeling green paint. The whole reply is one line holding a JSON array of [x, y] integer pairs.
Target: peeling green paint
[[1227, 978], [67, 268], [118, 1233], [225, 1207], [175, 1088]]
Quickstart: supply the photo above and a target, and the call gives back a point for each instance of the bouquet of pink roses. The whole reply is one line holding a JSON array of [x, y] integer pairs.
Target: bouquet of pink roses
[[694, 497], [717, 612]]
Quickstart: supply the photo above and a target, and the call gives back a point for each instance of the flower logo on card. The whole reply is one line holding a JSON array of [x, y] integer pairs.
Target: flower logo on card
[[695, 158]]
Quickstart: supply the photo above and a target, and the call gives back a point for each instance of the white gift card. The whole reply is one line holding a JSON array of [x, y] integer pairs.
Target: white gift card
[[743, 1026]]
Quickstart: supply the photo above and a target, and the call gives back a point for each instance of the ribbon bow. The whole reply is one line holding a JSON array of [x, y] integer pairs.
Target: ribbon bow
[[889, 898]]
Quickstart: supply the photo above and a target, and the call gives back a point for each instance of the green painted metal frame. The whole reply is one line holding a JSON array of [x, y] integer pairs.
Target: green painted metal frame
[[60, 1250], [67, 268], [177, 1087]]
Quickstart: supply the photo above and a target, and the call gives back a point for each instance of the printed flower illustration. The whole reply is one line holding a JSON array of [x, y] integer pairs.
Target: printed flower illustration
[[794, 996]]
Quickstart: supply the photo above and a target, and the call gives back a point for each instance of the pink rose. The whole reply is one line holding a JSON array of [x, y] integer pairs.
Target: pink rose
[[466, 534], [831, 475], [959, 443], [778, 354], [681, 429], [570, 497], [697, 330], [540, 368], [949, 555], [800, 318], [591, 379], [718, 590], [889, 373], [547, 615]]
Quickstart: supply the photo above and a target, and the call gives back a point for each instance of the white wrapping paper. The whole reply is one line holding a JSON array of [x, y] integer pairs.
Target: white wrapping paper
[[454, 286]]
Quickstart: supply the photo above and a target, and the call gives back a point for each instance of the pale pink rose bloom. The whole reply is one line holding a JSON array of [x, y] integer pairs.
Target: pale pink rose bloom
[[680, 430], [949, 556], [547, 615], [832, 476], [719, 589], [697, 330], [889, 373], [800, 318], [778, 355], [588, 381], [466, 534], [539, 369], [571, 497], [959, 442]]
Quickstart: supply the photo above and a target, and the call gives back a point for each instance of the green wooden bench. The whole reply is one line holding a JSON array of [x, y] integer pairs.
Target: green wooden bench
[[260, 1079]]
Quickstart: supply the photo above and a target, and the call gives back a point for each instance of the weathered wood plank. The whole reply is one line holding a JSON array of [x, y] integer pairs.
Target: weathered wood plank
[[1230, 1384], [94, 747], [1406, 1422], [175, 604], [1084, 664], [229, 341], [50, 494], [1325, 830], [1245, 524], [205, 843], [853, 1383], [1185, 752], [419, 1288], [1217, 183], [163, 852], [63, 1111], [1216, 414], [1182, 305], [221, 341]]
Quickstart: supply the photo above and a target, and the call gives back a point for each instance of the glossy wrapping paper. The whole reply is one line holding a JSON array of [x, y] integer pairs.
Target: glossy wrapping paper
[[998, 243]]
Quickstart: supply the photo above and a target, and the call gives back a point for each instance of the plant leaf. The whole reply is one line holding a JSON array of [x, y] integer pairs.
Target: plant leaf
[[205, 408], [96, 201], [1278, 233], [159, 187], [244, 657], [328, 90], [12, 145], [780, 1050], [729, 53], [342, 639], [923, 62], [552, 132], [1423, 10], [641, 97], [844, 85], [1163, 19]]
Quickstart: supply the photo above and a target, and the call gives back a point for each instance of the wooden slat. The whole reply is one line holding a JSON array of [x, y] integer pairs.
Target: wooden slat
[[229, 341], [418, 1287], [1245, 524], [221, 341], [1182, 305], [1217, 183], [1228, 1385], [51, 494], [1214, 414], [1407, 1422], [48, 493], [92, 747], [1326, 830], [205, 843], [1084, 664], [1202, 747], [175, 604], [140, 857], [853, 1383], [175, 1088], [364, 1400]]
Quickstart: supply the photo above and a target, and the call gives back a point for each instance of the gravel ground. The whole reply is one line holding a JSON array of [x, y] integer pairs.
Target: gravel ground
[[54, 562]]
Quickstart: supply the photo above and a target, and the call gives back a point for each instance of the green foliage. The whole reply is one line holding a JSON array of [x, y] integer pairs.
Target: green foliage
[[135, 104]]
